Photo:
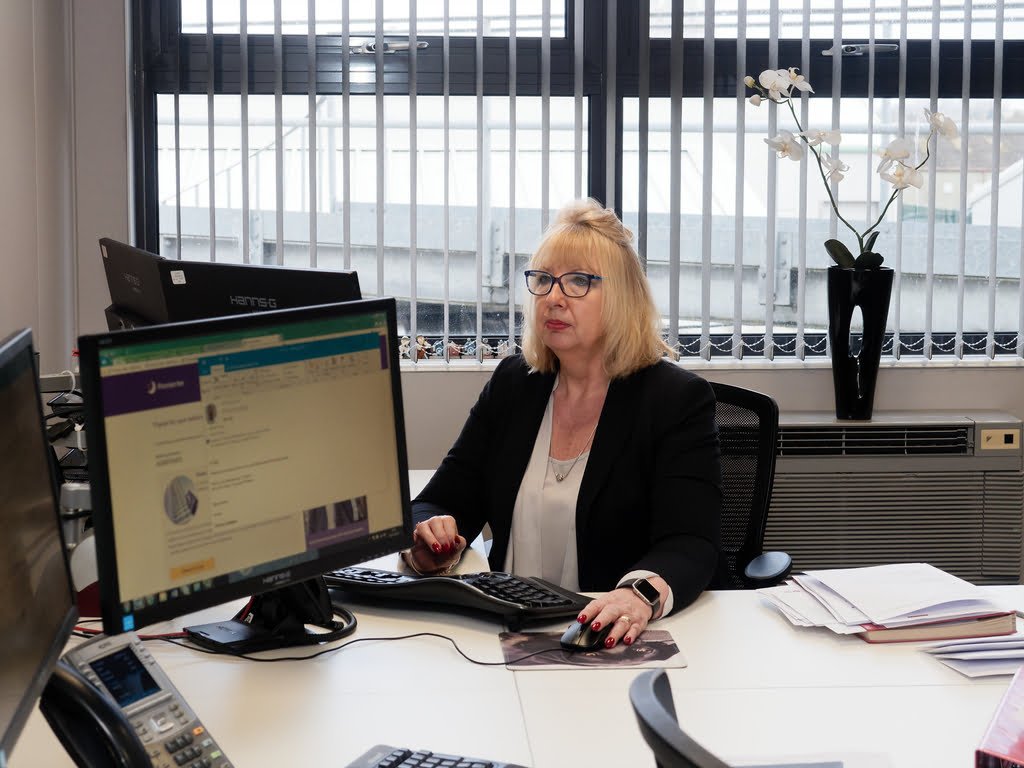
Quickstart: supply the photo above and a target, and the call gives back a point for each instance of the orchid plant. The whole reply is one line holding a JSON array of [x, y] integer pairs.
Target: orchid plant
[[782, 86]]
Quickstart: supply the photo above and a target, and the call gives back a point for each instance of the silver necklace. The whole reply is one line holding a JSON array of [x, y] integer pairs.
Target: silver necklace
[[560, 476]]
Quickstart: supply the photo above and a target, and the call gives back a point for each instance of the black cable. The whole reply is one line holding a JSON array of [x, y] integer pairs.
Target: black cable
[[361, 640]]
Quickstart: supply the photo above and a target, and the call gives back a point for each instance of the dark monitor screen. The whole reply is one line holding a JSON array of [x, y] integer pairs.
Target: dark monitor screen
[[37, 612], [236, 455], [147, 289]]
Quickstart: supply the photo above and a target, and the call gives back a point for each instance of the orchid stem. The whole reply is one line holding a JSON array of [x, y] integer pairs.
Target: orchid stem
[[824, 178]]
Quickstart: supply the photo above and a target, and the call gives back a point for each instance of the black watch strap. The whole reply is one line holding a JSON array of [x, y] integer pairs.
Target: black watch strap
[[646, 591]]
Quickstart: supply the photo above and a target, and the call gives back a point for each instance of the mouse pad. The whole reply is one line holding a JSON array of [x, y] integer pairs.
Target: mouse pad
[[655, 648]]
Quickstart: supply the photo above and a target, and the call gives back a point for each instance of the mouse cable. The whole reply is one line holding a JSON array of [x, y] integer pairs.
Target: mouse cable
[[173, 641]]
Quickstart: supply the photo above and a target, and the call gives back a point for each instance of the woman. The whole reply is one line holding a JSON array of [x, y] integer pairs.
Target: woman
[[593, 459]]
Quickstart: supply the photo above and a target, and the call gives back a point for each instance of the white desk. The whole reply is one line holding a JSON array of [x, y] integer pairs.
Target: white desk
[[754, 687]]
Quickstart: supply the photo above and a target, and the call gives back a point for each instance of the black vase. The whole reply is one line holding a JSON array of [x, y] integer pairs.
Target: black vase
[[854, 375]]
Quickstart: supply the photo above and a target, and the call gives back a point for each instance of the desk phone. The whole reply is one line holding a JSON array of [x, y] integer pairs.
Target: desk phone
[[122, 668]]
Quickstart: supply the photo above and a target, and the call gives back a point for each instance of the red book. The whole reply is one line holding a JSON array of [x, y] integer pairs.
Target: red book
[[989, 625], [1003, 743]]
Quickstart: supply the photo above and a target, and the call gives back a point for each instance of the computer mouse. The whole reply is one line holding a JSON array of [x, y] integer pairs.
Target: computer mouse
[[580, 637]]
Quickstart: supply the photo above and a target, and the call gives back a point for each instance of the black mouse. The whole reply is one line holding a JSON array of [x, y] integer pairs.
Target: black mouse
[[580, 637]]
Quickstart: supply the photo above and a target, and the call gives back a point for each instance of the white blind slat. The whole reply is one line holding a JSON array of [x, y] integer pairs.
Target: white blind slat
[[382, 150], [312, 107], [643, 107], [211, 143], [243, 138], [675, 175], [279, 132], [513, 272], [993, 232], [741, 145], [413, 167], [545, 114], [708, 189], [965, 113], [578, 96], [346, 137]]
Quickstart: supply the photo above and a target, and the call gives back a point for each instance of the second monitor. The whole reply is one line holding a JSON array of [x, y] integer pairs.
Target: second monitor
[[147, 289]]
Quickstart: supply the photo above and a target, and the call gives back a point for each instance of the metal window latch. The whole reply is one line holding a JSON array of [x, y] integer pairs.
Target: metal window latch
[[390, 46], [862, 49]]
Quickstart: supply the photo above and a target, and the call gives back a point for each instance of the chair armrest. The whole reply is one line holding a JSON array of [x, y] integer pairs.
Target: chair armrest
[[768, 568]]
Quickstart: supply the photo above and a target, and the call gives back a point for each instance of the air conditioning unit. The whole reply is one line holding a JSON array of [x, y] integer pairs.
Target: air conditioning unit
[[940, 487]]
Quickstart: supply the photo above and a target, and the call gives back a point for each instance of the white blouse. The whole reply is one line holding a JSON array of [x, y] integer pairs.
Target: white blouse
[[543, 536]]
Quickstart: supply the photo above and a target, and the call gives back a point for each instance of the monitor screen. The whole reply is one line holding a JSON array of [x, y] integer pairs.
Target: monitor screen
[[147, 289], [38, 611], [241, 454]]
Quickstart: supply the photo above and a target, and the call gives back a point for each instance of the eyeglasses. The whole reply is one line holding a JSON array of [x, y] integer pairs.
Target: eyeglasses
[[575, 285]]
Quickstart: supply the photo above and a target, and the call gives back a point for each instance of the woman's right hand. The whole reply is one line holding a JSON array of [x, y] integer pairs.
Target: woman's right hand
[[437, 544]]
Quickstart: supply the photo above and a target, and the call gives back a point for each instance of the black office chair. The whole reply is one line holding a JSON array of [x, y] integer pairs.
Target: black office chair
[[651, 696], [748, 429]]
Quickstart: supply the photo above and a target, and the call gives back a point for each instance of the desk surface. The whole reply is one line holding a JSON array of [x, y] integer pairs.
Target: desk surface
[[754, 687]]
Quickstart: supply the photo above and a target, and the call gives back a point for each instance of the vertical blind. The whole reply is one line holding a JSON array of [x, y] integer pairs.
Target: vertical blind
[[457, 127]]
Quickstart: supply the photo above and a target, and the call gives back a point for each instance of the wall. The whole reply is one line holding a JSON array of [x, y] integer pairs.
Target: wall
[[36, 289], [437, 401]]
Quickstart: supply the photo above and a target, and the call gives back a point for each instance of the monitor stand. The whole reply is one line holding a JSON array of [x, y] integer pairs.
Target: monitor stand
[[278, 619]]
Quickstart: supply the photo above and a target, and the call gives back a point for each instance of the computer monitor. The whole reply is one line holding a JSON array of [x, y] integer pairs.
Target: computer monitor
[[237, 455], [147, 289], [38, 611]]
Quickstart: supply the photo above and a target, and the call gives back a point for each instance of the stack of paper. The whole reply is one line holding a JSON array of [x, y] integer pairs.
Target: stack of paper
[[981, 657], [850, 600]]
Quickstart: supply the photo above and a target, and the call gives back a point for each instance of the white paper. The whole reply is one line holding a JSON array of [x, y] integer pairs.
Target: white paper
[[983, 667], [902, 593], [977, 644], [844, 611]]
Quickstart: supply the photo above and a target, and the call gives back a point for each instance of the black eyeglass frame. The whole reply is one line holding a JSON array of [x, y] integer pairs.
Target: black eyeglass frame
[[558, 279]]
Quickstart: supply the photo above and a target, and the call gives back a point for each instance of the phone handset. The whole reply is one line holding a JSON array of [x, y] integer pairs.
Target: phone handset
[[88, 724], [111, 704]]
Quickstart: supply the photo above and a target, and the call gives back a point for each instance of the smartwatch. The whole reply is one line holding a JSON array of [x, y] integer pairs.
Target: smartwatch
[[647, 592]]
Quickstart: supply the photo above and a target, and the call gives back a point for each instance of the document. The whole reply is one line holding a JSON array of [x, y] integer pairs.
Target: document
[[906, 593]]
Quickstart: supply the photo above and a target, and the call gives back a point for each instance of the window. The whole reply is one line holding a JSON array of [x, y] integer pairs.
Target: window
[[425, 166]]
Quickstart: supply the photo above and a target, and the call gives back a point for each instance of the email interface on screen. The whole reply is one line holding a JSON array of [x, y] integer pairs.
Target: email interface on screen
[[240, 453]]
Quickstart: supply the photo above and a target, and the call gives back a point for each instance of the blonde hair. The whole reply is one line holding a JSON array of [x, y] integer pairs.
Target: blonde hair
[[592, 237]]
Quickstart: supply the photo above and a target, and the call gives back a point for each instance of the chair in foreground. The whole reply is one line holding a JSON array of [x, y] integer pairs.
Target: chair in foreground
[[651, 696], [748, 429]]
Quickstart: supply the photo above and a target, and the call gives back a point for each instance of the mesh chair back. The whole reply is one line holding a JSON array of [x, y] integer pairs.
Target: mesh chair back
[[748, 428]]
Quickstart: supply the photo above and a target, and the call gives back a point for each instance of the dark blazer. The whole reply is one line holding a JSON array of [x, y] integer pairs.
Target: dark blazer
[[649, 498]]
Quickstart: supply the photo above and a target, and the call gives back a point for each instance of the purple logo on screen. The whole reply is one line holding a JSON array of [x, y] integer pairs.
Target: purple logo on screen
[[143, 391]]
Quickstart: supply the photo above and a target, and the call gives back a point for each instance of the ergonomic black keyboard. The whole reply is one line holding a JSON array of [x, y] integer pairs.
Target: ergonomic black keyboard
[[385, 756], [516, 599]]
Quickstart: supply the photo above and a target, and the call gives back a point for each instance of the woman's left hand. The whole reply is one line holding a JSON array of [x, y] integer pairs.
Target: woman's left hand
[[621, 607]]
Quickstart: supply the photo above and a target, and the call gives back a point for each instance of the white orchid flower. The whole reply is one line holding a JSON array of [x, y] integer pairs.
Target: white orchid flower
[[775, 84], [756, 100], [814, 138], [835, 168], [902, 176], [941, 124], [795, 80], [898, 149], [748, 81], [786, 145]]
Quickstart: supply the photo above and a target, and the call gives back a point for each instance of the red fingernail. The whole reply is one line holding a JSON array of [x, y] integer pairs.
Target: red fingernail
[[436, 547], [582, 618], [595, 626], [609, 643], [628, 641]]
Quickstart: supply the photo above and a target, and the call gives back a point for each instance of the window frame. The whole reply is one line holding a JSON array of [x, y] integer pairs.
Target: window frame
[[166, 61]]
